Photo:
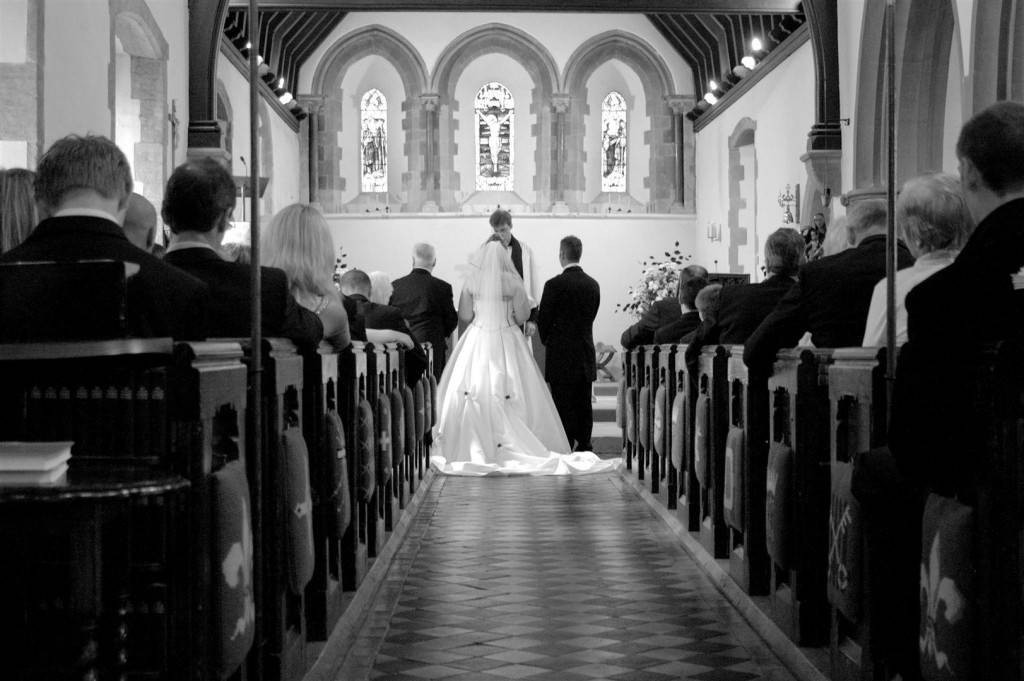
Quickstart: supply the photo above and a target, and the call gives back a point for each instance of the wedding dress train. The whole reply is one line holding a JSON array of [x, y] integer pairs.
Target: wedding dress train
[[496, 415]]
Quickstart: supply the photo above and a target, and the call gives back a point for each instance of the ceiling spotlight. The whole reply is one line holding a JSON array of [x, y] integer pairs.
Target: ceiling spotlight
[[710, 98], [285, 98], [741, 71], [755, 45], [280, 83], [259, 60], [248, 45], [712, 85]]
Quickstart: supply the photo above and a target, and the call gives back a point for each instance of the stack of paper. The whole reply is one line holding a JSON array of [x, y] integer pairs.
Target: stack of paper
[[33, 463]]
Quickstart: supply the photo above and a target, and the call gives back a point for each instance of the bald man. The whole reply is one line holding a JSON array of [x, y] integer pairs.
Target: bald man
[[140, 222]]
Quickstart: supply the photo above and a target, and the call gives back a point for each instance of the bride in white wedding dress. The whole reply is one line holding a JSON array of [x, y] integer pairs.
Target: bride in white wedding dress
[[496, 415]]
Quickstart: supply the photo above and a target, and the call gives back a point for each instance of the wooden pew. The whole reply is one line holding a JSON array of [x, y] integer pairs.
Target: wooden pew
[[645, 425], [746, 465], [352, 380], [324, 592], [395, 381], [662, 392], [182, 412], [857, 398], [387, 484], [631, 377], [688, 495], [283, 641], [709, 447], [797, 498], [376, 368]]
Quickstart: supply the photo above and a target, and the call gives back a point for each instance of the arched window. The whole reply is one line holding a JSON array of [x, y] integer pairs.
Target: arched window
[[373, 146], [613, 143], [495, 115]]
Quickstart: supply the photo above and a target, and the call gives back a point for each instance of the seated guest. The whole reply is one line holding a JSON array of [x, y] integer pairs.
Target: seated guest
[[934, 221], [427, 304], [832, 294], [690, 319], [140, 222], [380, 287], [82, 188], [298, 241], [17, 207], [837, 238], [707, 303], [743, 307], [383, 323], [198, 202], [661, 313]]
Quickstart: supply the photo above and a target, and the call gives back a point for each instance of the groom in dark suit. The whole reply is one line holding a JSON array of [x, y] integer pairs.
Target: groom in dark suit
[[565, 322]]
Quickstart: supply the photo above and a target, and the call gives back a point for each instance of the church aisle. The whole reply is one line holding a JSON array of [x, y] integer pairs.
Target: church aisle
[[550, 579]]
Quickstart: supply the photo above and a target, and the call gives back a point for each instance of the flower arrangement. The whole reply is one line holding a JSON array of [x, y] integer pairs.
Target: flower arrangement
[[340, 265], [659, 278]]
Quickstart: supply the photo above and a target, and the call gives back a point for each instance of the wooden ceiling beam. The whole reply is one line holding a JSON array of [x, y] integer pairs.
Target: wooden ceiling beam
[[617, 6]]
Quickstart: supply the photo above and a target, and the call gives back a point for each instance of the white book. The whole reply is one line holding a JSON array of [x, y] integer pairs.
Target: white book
[[19, 478], [33, 456]]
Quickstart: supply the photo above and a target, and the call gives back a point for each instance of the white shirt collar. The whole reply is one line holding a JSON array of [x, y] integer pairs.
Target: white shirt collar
[[182, 245], [568, 265], [86, 212]]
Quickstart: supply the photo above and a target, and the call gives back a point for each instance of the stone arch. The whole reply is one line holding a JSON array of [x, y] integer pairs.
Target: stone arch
[[997, 59], [265, 135], [139, 105], [538, 63], [869, 150], [657, 82], [370, 41], [743, 136], [224, 115]]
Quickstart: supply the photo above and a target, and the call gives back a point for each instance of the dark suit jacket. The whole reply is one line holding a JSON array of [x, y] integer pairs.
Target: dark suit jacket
[[230, 293], [672, 333], [741, 309], [162, 300], [517, 261], [565, 322], [427, 304], [661, 313], [376, 316], [931, 435], [830, 300]]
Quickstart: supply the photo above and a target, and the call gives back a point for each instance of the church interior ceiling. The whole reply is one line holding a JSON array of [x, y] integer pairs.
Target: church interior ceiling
[[712, 36]]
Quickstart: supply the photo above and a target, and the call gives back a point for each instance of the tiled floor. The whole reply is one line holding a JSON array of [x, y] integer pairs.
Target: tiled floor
[[551, 578]]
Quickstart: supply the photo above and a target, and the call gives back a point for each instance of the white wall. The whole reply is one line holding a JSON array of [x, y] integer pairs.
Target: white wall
[[782, 105], [431, 32], [612, 249], [172, 17], [283, 186]]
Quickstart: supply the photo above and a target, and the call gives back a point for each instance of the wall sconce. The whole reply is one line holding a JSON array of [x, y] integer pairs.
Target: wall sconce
[[714, 231]]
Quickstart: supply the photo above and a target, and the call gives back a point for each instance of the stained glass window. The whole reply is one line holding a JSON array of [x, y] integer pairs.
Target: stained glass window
[[373, 143], [495, 115], [613, 143]]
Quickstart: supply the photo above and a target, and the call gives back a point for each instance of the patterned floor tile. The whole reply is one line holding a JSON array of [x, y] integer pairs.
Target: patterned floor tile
[[552, 579]]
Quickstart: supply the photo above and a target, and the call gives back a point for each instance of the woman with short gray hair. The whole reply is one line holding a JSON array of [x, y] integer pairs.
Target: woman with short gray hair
[[934, 222]]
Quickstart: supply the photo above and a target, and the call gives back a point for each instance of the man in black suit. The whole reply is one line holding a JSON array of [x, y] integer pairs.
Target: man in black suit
[[82, 188], [356, 287], [197, 206], [427, 304], [661, 313], [566, 316], [832, 296], [743, 307], [687, 296]]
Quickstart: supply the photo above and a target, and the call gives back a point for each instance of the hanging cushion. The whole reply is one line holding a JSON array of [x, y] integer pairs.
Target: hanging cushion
[[384, 460], [366, 471], [644, 420], [419, 401], [732, 494], [341, 495], [234, 608], [620, 405], [778, 511], [701, 441], [678, 428], [631, 414], [660, 407], [298, 506], [397, 428], [409, 402], [947, 589], [433, 398], [844, 545]]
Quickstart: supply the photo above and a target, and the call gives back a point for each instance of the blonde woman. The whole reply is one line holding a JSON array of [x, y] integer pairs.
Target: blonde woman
[[17, 207], [298, 241]]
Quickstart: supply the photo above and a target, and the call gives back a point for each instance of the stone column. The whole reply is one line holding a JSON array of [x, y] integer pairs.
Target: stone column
[[431, 162], [679, 105], [560, 103], [314, 107]]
